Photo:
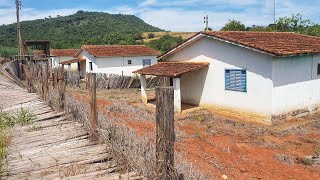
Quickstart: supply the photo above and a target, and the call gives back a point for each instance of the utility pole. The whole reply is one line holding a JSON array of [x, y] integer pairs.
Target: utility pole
[[20, 44], [274, 11], [206, 21]]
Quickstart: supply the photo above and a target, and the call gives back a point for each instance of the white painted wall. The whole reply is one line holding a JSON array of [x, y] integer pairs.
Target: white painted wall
[[115, 65], [58, 59], [296, 83], [207, 86], [119, 65]]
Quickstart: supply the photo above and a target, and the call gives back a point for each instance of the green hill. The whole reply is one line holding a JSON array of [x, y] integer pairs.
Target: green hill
[[81, 28]]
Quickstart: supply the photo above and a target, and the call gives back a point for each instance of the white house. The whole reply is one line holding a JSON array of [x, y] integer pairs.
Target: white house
[[59, 56], [115, 59], [270, 75]]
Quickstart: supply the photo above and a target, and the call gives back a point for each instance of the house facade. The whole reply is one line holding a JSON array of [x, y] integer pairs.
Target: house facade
[[115, 59], [268, 75], [58, 56]]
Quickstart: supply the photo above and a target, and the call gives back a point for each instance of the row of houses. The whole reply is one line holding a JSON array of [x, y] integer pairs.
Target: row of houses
[[111, 59], [269, 75]]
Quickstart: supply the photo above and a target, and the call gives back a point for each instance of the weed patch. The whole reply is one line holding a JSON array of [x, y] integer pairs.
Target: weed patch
[[306, 161], [285, 158], [23, 117]]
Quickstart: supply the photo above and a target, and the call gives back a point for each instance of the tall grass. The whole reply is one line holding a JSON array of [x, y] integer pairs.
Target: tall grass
[[5, 122], [23, 117]]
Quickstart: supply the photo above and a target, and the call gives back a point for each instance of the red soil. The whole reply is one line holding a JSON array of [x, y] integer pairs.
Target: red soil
[[236, 156]]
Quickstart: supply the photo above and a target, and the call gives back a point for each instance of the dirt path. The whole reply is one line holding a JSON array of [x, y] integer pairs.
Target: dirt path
[[53, 146]]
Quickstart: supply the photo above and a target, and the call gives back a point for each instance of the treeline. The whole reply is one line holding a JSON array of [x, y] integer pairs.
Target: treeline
[[78, 29], [295, 23]]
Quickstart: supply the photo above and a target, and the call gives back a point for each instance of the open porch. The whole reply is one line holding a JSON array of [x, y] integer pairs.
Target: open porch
[[172, 73]]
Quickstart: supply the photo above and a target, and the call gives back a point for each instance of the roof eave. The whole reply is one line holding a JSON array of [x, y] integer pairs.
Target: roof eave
[[79, 51], [240, 45], [201, 34], [178, 47]]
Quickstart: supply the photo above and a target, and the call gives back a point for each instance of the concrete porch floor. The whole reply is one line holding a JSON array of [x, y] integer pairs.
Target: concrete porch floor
[[185, 108]]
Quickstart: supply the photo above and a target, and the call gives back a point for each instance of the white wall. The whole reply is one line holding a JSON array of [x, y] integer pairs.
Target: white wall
[[207, 86], [89, 58], [58, 59], [119, 65], [296, 83], [115, 65]]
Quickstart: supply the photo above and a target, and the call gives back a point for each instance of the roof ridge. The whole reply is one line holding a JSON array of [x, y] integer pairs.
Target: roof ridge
[[119, 45]]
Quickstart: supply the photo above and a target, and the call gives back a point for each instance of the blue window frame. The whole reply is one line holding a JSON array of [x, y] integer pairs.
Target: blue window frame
[[146, 62], [236, 80]]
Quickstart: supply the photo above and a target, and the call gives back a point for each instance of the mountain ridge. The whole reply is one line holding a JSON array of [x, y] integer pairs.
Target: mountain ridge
[[80, 28]]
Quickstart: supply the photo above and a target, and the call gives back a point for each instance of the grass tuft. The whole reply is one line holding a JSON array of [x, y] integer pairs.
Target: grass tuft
[[306, 161], [23, 117]]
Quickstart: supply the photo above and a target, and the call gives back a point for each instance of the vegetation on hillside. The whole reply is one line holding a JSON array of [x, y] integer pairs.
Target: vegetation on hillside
[[295, 23], [165, 43], [78, 29], [8, 51]]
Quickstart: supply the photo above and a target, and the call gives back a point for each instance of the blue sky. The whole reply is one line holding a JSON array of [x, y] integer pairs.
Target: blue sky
[[174, 15]]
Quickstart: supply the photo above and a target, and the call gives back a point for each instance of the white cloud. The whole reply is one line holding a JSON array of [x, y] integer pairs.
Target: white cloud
[[181, 20], [148, 3], [8, 15], [177, 15]]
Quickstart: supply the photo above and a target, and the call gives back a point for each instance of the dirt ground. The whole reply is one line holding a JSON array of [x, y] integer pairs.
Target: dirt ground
[[218, 145]]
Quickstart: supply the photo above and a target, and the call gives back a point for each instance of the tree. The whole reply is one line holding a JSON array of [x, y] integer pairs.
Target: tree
[[295, 23], [234, 25], [165, 43], [151, 35]]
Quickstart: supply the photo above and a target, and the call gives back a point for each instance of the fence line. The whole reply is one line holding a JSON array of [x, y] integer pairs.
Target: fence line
[[165, 136], [113, 81]]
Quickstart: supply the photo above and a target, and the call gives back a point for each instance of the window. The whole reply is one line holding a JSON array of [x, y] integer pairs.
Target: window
[[146, 62], [129, 62], [318, 70], [236, 80], [90, 66]]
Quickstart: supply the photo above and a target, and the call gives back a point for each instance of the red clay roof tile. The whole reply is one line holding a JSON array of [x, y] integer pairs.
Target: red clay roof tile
[[277, 43], [63, 52], [72, 61], [120, 50], [171, 69]]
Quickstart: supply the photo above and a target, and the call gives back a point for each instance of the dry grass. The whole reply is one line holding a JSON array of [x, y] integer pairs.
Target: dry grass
[[131, 149], [285, 158], [158, 35], [22, 117]]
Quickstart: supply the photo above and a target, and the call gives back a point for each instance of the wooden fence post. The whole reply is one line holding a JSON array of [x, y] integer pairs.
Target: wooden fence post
[[51, 82], [26, 68], [93, 105], [45, 82], [165, 136], [61, 89]]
